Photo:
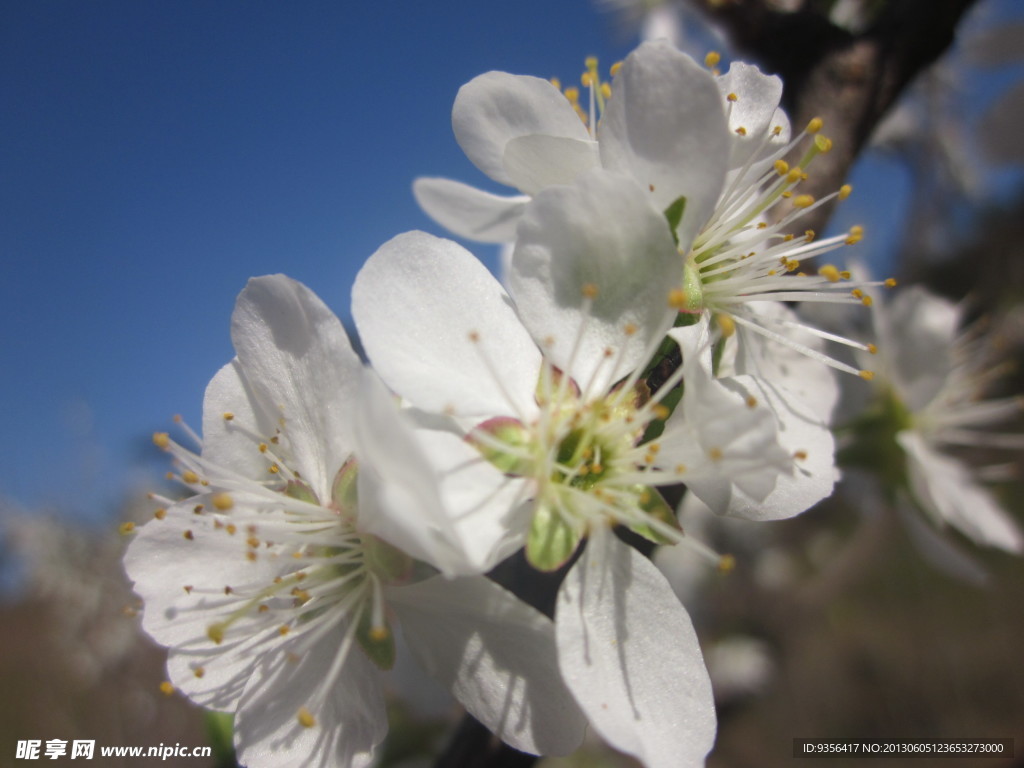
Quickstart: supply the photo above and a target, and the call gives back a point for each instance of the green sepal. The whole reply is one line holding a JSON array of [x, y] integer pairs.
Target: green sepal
[[297, 489], [551, 541], [385, 560], [652, 502], [220, 730], [381, 650], [674, 214], [508, 432], [343, 489]]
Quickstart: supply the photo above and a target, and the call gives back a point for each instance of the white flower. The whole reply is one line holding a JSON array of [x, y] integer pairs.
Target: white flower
[[273, 594], [545, 383], [929, 389], [704, 152]]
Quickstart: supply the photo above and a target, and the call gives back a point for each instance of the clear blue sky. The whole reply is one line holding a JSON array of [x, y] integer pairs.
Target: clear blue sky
[[154, 155]]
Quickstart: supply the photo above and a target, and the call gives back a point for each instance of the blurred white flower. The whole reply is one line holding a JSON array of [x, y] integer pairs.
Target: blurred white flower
[[929, 390]]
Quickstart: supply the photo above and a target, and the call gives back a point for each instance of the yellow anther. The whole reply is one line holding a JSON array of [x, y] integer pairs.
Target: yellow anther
[[160, 514], [844, 191], [712, 59], [615, 68], [228, 415], [253, 542], [166, 688], [809, 235], [857, 229], [761, 225], [189, 535], [379, 633], [677, 298], [660, 412], [803, 201], [777, 130], [189, 477], [853, 239], [161, 439], [126, 528], [799, 455], [586, 79], [231, 529], [590, 62], [726, 563], [680, 469], [751, 401], [788, 194], [216, 633], [263, 608], [305, 718], [814, 125], [273, 469], [781, 167], [845, 274], [823, 143], [589, 290], [867, 301], [726, 325], [474, 336], [715, 454], [857, 293], [732, 97], [302, 596], [556, 82], [198, 509], [872, 349], [199, 672], [223, 501], [829, 272], [787, 239], [630, 329], [606, 90], [866, 375], [572, 93], [741, 131], [890, 282], [795, 174]]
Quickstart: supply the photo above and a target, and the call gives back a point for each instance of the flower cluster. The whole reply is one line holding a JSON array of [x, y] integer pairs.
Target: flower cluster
[[637, 344]]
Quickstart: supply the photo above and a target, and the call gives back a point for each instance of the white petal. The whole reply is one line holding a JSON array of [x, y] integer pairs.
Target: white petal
[[601, 232], [416, 301], [349, 725], [223, 443], [297, 358], [940, 551], [730, 448], [498, 656], [945, 489], [469, 212], [801, 393], [430, 493], [496, 107], [537, 161], [162, 562], [755, 110], [665, 125], [917, 343], [628, 652]]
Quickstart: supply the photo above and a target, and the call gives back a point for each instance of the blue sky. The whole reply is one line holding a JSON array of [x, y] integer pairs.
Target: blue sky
[[155, 155]]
